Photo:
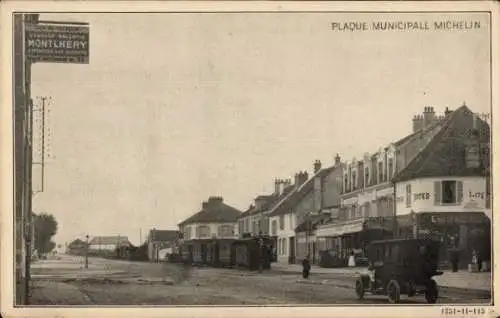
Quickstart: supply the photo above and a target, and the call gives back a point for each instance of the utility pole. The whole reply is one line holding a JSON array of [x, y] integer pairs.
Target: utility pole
[[87, 251], [42, 109]]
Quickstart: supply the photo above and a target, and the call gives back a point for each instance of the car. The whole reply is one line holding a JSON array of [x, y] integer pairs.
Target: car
[[401, 267]]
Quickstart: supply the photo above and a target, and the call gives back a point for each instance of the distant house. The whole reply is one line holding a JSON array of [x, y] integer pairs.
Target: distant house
[[108, 243], [161, 242], [215, 220], [76, 247]]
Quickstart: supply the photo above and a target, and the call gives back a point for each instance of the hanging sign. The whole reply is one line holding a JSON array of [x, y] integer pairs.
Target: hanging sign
[[54, 43]]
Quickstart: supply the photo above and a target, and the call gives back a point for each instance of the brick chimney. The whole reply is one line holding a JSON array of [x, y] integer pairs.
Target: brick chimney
[[214, 200], [302, 177], [418, 122], [429, 116], [317, 166], [277, 186]]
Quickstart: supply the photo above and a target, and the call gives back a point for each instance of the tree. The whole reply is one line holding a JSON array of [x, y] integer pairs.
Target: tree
[[45, 226]]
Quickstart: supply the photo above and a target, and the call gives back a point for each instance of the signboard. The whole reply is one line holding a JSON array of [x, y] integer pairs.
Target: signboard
[[57, 43]]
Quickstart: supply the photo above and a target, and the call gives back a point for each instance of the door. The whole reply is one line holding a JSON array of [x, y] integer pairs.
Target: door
[[291, 257]]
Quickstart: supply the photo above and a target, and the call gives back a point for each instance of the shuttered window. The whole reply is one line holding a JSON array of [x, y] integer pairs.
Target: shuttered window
[[437, 192], [408, 195], [448, 192]]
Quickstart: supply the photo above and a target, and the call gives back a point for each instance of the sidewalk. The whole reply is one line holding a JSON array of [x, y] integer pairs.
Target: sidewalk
[[461, 279], [68, 267]]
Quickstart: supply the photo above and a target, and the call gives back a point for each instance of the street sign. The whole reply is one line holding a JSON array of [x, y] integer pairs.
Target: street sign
[[57, 43]]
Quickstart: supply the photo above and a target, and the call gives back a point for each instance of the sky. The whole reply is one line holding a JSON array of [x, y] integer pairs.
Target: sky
[[174, 108]]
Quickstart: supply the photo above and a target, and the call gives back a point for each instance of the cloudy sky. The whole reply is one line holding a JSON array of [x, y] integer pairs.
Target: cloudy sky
[[174, 108]]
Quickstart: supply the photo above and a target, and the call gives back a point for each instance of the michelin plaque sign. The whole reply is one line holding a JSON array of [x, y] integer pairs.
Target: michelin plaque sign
[[57, 43]]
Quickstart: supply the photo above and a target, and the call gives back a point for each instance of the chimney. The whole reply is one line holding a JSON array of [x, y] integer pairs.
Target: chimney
[[417, 123], [337, 159], [204, 205], [317, 166], [447, 111], [302, 177], [277, 186], [429, 116], [214, 200], [296, 179]]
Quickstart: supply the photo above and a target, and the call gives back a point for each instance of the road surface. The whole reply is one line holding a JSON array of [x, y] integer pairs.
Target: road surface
[[137, 283]]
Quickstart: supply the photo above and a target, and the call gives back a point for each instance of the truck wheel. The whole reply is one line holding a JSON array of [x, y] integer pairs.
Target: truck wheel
[[394, 292], [360, 289]]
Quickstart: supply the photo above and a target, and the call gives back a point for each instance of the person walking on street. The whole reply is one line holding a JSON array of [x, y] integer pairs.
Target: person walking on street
[[454, 260], [306, 267]]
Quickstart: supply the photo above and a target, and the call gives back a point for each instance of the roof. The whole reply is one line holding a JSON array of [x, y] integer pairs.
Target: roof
[[294, 197], [162, 235], [443, 154], [217, 212], [76, 243], [312, 222], [110, 240]]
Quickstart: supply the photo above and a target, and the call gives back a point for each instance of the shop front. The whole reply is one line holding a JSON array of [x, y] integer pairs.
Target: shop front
[[462, 231], [352, 237]]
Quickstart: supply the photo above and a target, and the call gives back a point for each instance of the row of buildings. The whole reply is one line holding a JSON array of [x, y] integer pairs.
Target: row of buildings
[[434, 181]]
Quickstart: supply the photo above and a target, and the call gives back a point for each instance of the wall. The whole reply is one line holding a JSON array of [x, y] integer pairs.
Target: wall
[[332, 190], [425, 203], [214, 229], [288, 231]]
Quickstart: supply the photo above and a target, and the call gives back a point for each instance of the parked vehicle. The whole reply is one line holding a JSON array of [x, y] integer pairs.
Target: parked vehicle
[[245, 252], [401, 266]]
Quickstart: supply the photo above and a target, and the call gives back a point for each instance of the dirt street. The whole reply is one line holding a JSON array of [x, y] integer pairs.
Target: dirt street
[[170, 284]]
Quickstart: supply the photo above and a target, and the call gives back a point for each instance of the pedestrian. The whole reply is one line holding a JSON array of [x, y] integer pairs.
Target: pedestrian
[[454, 260], [306, 267], [351, 262]]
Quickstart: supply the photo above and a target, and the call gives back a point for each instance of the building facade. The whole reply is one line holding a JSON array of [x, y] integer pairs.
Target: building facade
[[369, 194], [161, 243], [445, 192]]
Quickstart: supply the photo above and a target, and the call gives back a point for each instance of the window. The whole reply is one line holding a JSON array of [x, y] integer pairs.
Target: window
[[274, 227], [282, 222], [203, 231], [367, 176], [246, 226], [448, 192], [380, 172], [226, 231], [354, 180], [346, 184], [241, 226], [254, 227], [187, 233], [259, 229], [408, 195], [390, 167]]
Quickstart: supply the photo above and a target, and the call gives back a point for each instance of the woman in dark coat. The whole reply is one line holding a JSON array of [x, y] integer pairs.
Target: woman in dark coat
[[306, 267]]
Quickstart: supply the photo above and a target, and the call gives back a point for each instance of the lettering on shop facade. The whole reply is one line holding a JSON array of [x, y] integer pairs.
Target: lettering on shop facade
[[422, 196]]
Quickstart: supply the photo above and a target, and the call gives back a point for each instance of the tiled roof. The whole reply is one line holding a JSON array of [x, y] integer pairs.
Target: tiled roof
[[217, 213], [110, 240], [298, 193], [444, 154], [163, 235]]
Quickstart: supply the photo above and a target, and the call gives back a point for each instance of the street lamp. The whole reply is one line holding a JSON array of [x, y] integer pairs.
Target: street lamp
[[87, 251]]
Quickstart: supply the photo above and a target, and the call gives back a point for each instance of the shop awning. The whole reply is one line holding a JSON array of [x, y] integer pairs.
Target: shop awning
[[354, 226], [338, 229]]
